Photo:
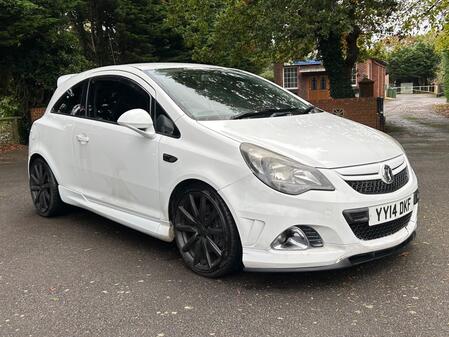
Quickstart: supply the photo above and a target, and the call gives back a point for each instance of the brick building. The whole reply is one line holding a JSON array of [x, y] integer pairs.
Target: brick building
[[310, 81]]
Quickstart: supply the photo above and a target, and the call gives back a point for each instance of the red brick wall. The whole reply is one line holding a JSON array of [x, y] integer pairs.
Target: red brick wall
[[303, 85], [36, 113], [363, 70], [279, 74], [362, 110], [378, 76], [374, 71]]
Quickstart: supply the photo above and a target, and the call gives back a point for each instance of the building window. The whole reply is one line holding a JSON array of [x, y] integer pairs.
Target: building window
[[323, 84], [354, 76], [291, 77], [314, 85]]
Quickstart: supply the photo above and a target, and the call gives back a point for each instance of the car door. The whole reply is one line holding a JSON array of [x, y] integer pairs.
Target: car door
[[117, 167], [64, 114]]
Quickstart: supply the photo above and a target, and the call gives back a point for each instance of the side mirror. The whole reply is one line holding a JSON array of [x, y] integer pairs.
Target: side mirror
[[139, 121]]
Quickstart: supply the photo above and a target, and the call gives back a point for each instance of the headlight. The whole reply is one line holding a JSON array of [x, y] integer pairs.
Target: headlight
[[281, 173]]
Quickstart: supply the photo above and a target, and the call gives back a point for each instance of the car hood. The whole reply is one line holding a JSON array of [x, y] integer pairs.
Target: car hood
[[320, 140]]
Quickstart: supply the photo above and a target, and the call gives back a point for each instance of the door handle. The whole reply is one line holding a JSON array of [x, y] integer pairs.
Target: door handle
[[83, 139]]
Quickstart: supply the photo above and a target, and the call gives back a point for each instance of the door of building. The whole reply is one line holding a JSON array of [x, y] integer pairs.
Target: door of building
[[318, 87]]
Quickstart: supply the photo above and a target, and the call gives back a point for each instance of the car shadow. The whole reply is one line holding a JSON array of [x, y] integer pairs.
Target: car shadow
[[155, 251]]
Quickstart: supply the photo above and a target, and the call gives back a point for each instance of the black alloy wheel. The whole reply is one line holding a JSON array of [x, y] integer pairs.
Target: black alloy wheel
[[44, 189], [205, 233]]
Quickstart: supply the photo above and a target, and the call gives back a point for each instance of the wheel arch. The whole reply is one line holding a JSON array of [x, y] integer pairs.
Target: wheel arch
[[49, 162], [180, 187]]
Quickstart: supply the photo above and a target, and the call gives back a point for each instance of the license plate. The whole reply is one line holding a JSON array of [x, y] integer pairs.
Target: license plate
[[391, 211]]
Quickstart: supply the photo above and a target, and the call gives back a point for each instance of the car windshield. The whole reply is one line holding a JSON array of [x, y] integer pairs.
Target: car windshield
[[217, 93]]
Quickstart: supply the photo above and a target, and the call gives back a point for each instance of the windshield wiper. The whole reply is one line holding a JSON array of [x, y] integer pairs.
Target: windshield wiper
[[274, 112]]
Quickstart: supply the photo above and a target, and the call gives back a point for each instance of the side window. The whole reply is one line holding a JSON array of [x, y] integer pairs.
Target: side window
[[70, 102], [109, 97], [162, 122]]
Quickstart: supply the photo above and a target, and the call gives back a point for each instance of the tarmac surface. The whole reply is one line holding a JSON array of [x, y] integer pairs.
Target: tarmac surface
[[82, 275]]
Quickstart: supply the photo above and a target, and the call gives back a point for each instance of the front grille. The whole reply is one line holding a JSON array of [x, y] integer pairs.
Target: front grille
[[365, 232], [377, 186]]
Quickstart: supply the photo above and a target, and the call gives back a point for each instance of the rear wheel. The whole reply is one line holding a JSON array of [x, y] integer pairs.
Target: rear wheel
[[44, 189], [205, 232]]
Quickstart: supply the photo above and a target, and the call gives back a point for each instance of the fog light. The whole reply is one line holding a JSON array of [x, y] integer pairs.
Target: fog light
[[292, 238]]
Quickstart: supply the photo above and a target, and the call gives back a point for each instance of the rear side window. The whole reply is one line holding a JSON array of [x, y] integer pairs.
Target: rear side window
[[70, 102], [109, 97]]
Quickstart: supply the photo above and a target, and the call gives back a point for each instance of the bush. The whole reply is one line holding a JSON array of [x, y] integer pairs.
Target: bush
[[268, 73], [9, 106]]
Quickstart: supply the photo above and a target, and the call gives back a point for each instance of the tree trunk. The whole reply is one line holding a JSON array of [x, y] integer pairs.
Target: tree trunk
[[338, 67]]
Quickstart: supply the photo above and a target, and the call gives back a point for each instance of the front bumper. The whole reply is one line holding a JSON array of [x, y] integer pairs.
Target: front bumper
[[348, 262], [261, 214]]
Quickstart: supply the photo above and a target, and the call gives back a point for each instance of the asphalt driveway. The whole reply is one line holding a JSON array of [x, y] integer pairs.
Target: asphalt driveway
[[82, 275]]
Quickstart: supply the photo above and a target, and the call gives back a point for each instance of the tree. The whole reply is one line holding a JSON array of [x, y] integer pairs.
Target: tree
[[417, 63], [209, 29], [36, 47], [445, 65], [285, 30], [125, 31]]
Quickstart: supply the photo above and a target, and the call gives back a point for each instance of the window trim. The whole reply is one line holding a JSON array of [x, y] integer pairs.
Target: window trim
[[283, 76]]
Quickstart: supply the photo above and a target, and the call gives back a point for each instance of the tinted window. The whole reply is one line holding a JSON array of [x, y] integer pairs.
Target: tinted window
[[70, 102], [221, 93], [110, 97], [163, 123]]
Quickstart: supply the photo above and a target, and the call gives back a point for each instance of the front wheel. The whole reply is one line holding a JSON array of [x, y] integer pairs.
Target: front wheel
[[205, 232], [44, 189]]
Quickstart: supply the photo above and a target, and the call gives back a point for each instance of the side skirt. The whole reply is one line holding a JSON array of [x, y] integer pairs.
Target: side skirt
[[160, 230]]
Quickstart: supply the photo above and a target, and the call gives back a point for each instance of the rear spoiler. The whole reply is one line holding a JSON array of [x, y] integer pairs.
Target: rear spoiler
[[62, 79]]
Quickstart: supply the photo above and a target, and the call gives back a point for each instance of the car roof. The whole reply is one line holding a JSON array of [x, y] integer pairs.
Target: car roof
[[156, 65], [140, 66]]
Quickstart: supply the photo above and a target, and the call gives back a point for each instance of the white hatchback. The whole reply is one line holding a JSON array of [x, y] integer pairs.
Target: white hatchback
[[237, 170]]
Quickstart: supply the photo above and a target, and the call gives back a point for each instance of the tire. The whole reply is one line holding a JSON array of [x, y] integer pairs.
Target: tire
[[205, 232], [44, 189]]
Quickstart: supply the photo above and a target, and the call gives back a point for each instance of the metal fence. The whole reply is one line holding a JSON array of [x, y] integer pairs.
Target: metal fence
[[436, 90], [9, 130]]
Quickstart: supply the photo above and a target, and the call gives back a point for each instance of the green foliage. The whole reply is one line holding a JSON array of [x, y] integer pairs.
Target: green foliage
[[36, 47], [126, 31], [9, 106], [268, 73], [41, 40], [445, 67], [417, 63], [217, 32], [247, 34]]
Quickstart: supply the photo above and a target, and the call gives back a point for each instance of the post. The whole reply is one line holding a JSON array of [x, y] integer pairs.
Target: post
[[366, 88]]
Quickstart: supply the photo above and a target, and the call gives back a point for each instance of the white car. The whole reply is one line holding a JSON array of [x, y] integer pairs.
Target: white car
[[237, 170]]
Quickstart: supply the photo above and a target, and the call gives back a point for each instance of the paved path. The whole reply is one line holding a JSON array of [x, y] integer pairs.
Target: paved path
[[411, 119], [82, 275]]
